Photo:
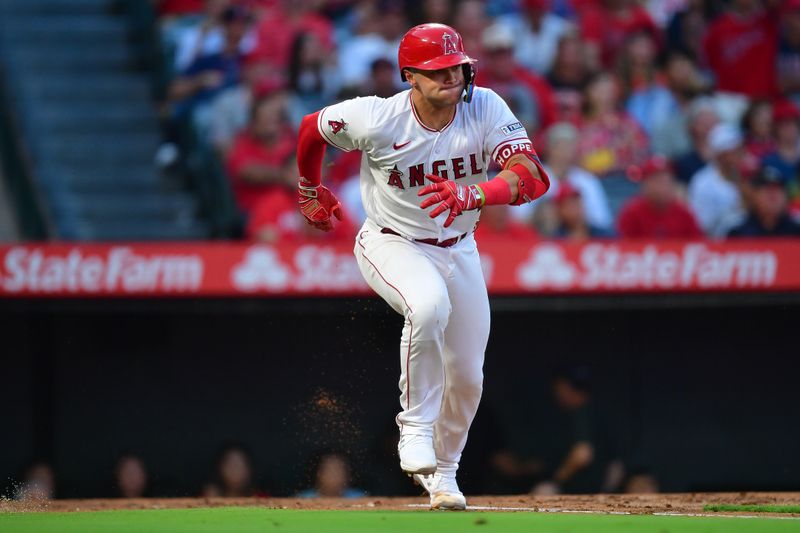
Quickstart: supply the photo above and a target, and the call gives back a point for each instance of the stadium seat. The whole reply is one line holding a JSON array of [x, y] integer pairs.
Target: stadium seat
[[86, 114]]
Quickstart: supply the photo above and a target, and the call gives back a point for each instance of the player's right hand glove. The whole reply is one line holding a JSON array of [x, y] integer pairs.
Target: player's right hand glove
[[317, 204], [450, 195]]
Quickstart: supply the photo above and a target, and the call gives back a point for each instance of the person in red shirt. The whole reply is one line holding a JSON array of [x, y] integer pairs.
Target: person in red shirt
[[607, 26], [529, 96], [741, 47], [656, 213], [275, 219], [256, 162]]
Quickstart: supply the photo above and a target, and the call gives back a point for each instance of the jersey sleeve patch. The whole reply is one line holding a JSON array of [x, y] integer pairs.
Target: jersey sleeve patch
[[509, 129]]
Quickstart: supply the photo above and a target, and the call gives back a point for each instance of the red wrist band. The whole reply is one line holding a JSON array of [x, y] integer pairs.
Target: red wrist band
[[495, 191]]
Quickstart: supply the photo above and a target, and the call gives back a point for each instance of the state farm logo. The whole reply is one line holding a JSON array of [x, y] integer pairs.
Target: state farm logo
[[547, 267], [310, 268], [117, 269], [262, 268], [607, 266]]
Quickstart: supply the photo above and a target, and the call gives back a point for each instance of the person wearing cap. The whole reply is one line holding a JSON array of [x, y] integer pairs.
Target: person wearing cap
[[714, 192], [656, 213], [786, 155], [768, 215], [537, 31], [529, 96], [572, 223]]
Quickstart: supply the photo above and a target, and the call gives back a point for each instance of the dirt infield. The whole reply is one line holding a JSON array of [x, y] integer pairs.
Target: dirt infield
[[612, 503]]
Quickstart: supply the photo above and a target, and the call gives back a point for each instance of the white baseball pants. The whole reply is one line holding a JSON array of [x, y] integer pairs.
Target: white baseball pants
[[441, 293]]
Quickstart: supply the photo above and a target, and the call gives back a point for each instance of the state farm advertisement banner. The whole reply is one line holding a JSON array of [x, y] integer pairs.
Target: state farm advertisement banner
[[510, 267]]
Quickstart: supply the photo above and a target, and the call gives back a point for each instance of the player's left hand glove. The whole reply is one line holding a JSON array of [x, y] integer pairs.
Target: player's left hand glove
[[317, 204], [450, 195]]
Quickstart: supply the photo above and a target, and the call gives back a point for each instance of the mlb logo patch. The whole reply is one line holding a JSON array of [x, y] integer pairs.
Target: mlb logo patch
[[511, 128]]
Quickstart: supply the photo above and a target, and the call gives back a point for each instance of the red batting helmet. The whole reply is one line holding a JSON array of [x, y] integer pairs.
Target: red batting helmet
[[432, 47]]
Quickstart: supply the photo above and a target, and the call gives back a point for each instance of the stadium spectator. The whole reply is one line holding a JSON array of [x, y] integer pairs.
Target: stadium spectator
[[382, 79], [256, 162], [744, 39], [656, 213], [130, 477], [38, 483], [714, 191], [768, 215], [788, 64], [688, 25], [332, 479], [379, 30], [313, 79], [786, 155], [275, 218], [670, 131], [496, 221], [757, 128], [211, 74], [470, 20], [277, 30], [571, 219], [649, 100], [611, 141], [233, 475], [206, 36], [537, 31], [561, 156], [607, 24], [641, 482], [528, 95], [583, 448], [568, 78], [424, 11], [701, 119]]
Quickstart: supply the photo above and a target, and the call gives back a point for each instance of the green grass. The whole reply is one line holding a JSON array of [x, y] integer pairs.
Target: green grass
[[735, 508], [246, 520]]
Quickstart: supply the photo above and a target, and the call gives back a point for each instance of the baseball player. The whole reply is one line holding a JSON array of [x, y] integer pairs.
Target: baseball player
[[424, 180]]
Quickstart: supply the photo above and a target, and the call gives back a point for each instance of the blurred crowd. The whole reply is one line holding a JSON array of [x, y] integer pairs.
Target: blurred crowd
[[655, 118], [582, 454]]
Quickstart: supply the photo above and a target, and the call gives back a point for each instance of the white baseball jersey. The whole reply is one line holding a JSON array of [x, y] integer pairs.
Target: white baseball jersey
[[399, 150]]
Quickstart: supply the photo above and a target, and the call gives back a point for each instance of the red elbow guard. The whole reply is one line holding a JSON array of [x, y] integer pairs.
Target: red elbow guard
[[530, 188], [310, 150]]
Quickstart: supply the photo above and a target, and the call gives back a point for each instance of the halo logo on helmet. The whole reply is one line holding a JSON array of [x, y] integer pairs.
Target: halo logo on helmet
[[435, 47]]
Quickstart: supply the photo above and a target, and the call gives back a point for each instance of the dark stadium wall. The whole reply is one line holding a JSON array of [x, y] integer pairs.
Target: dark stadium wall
[[702, 398]]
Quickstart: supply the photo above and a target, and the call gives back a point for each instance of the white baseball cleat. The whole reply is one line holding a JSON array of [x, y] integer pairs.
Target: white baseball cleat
[[416, 454], [444, 492]]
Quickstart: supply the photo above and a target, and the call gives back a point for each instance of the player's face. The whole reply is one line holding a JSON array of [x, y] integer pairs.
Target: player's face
[[441, 87]]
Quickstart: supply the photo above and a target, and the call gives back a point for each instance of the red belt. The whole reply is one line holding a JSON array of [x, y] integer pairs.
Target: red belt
[[447, 243]]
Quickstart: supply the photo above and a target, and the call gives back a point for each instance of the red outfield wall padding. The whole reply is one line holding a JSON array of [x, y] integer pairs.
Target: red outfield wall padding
[[297, 269]]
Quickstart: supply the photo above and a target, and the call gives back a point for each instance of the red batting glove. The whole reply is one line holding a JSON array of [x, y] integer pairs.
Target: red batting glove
[[317, 204], [450, 195]]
